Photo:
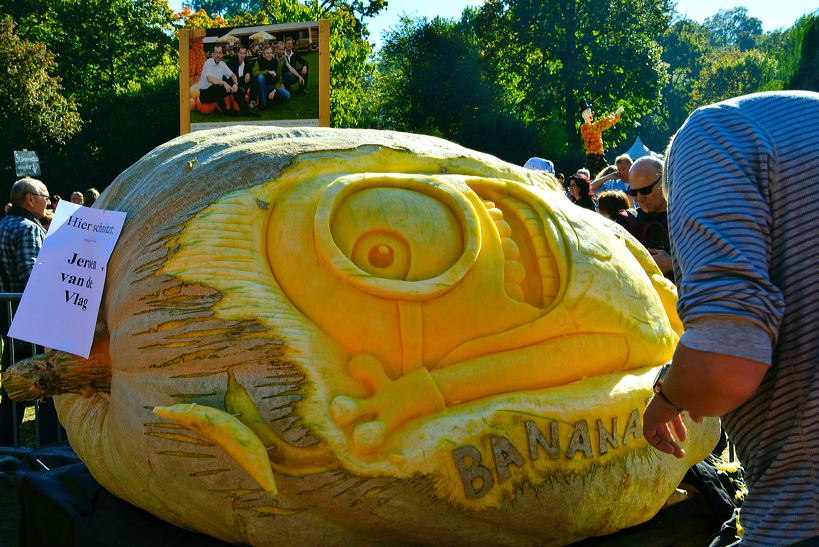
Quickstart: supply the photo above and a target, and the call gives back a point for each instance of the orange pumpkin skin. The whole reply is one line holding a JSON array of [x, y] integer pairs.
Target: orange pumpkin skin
[[231, 286]]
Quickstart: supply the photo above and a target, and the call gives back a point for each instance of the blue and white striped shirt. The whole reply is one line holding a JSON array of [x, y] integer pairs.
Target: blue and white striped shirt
[[742, 209]]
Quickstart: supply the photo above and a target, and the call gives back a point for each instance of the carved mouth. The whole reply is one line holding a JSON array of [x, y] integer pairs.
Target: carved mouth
[[531, 273], [535, 273]]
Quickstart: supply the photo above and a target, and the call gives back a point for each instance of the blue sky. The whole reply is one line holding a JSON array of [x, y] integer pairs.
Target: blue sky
[[773, 13]]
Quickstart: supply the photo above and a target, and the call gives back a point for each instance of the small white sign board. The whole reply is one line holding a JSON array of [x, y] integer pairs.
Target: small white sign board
[[61, 301]]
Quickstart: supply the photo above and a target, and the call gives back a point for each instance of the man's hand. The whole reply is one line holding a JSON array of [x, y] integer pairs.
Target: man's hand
[[662, 259], [272, 73], [659, 419], [301, 80], [234, 88]]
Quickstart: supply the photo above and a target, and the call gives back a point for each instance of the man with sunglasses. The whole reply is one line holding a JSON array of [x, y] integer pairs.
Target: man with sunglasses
[[21, 237], [649, 222]]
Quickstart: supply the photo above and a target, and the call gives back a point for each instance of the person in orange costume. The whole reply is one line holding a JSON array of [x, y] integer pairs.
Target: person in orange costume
[[592, 133]]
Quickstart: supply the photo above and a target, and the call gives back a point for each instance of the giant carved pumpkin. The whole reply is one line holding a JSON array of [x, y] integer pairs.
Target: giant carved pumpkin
[[350, 337]]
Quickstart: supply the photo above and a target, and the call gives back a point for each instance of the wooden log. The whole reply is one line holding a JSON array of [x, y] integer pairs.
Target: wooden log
[[56, 372]]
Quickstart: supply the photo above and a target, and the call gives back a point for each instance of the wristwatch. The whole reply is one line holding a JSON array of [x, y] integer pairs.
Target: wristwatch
[[658, 386]]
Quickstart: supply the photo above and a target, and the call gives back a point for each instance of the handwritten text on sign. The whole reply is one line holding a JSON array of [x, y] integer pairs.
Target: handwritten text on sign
[[61, 301]]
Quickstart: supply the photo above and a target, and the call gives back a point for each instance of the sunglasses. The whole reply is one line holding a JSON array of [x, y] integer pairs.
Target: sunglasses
[[645, 190]]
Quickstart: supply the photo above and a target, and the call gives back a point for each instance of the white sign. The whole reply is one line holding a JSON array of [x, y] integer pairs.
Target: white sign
[[60, 304]]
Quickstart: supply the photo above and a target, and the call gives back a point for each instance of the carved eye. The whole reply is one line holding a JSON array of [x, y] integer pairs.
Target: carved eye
[[397, 236], [384, 255], [397, 233]]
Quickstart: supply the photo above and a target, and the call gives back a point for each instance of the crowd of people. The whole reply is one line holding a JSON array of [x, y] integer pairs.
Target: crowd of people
[[253, 84], [629, 193]]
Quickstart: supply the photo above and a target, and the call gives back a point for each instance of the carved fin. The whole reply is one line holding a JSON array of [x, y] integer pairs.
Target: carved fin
[[232, 435], [284, 457]]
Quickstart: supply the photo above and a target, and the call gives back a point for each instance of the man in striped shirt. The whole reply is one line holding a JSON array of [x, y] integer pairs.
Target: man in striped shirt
[[741, 182]]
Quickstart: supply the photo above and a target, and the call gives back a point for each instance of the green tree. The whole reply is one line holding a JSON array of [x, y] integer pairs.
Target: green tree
[[429, 80], [110, 43], [34, 112], [731, 73], [551, 56], [805, 73], [733, 29], [685, 47]]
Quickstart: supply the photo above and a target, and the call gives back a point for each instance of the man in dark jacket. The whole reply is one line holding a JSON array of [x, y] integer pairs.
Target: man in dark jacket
[[649, 223], [297, 62], [244, 79]]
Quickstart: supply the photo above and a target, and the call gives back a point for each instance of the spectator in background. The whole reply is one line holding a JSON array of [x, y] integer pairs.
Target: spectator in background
[[579, 190], [540, 164], [21, 237], [616, 179], [90, 197], [611, 203], [649, 223], [77, 197], [48, 216], [55, 199]]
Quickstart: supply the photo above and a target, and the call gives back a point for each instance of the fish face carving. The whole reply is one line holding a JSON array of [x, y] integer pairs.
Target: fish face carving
[[399, 322]]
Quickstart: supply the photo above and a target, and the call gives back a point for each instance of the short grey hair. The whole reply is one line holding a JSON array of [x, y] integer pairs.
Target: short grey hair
[[22, 187]]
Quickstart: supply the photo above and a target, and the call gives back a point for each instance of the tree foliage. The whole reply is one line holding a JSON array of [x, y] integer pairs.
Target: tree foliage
[[554, 55], [733, 29], [34, 112], [429, 80], [731, 73], [805, 73]]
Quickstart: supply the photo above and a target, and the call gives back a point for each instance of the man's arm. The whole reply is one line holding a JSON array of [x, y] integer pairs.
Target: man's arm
[[730, 306], [293, 71], [704, 384], [598, 182], [216, 81]]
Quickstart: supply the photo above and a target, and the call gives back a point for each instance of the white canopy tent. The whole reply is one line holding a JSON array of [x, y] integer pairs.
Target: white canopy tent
[[638, 150]]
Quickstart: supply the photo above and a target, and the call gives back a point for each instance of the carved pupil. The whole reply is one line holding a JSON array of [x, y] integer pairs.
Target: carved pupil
[[381, 256]]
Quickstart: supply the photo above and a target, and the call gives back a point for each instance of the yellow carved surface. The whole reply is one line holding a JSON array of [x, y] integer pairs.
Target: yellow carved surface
[[430, 345]]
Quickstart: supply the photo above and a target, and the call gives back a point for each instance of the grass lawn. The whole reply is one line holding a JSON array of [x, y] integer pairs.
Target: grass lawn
[[300, 106]]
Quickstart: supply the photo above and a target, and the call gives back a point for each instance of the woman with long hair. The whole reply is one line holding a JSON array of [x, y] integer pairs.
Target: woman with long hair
[[579, 189]]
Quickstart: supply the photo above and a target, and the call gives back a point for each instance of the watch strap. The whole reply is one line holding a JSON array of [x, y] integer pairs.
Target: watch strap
[[665, 398]]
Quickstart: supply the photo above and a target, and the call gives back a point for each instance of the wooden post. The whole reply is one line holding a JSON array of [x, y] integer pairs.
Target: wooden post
[[184, 81], [324, 73]]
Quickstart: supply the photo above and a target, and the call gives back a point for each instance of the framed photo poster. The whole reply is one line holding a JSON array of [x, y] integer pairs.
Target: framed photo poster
[[260, 75]]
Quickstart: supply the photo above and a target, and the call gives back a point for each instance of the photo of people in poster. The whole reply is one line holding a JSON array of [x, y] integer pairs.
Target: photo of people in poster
[[265, 74]]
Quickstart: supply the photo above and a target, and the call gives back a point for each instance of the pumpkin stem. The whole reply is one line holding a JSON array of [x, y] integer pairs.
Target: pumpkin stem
[[56, 372]]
